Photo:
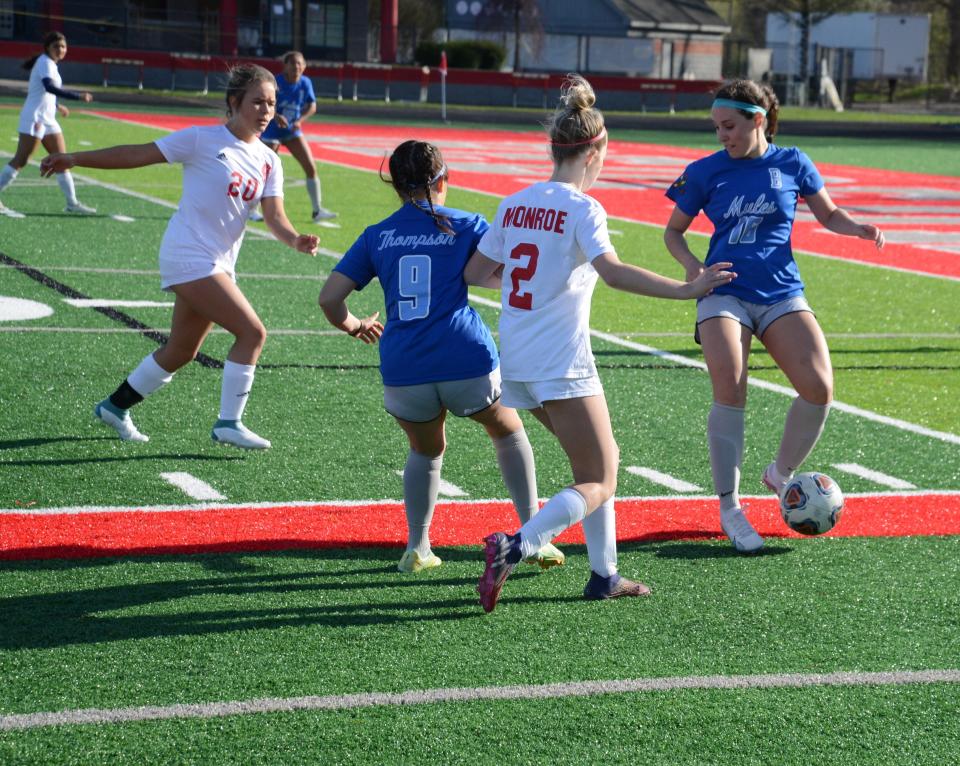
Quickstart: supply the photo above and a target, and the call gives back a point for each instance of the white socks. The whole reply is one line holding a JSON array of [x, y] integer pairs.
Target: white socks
[[515, 458], [237, 382], [725, 437], [600, 531], [563, 510], [148, 376], [7, 175], [65, 179], [801, 432], [313, 189], [421, 483]]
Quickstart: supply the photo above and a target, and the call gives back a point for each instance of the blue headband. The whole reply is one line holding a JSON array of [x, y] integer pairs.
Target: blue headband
[[743, 106]]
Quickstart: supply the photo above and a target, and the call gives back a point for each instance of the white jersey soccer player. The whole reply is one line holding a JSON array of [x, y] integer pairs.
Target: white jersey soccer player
[[39, 114], [224, 178], [545, 236]]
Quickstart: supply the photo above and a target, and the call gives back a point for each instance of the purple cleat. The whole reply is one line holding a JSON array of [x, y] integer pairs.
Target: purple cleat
[[502, 552], [615, 586]]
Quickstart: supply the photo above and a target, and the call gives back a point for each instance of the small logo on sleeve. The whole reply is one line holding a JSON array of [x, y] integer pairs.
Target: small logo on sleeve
[[776, 181]]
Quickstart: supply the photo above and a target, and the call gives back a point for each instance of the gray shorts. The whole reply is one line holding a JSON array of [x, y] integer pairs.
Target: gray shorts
[[756, 316], [425, 401]]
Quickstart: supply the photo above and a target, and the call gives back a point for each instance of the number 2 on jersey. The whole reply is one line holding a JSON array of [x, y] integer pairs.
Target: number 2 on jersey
[[414, 284], [517, 298]]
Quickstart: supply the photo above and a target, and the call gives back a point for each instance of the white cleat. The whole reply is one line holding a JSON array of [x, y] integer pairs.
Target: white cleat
[[236, 434], [771, 480], [255, 215], [80, 209], [323, 215], [4, 210], [741, 533], [122, 425]]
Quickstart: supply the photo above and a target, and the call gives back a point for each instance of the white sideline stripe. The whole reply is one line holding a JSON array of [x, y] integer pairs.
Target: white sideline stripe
[[446, 488], [20, 721], [903, 425], [192, 486], [114, 330], [875, 476], [122, 218], [665, 479], [79, 509], [92, 303], [242, 275]]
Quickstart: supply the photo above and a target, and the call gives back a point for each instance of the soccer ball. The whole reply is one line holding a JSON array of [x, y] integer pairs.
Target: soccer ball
[[811, 503]]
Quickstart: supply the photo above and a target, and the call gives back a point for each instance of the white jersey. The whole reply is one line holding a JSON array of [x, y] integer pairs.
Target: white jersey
[[40, 106], [224, 178], [546, 236]]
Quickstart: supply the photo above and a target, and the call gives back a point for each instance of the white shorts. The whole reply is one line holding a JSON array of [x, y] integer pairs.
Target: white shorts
[[37, 127], [756, 316], [529, 396], [177, 272], [424, 402]]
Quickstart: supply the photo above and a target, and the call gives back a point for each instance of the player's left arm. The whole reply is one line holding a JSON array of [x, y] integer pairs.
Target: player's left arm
[[333, 302], [276, 219], [309, 111], [838, 220]]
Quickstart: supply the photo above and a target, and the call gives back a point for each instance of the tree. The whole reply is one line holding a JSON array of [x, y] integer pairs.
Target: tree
[[521, 17]]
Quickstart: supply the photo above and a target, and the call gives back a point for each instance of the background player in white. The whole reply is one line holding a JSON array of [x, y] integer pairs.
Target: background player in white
[[749, 191], [38, 120], [296, 102], [436, 353], [550, 242], [226, 172]]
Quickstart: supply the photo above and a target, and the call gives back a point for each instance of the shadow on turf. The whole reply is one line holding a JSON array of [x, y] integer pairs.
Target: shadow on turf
[[304, 598], [124, 458], [698, 550]]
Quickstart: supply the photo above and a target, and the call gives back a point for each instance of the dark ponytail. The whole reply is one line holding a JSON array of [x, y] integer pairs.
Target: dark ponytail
[[416, 165], [48, 40]]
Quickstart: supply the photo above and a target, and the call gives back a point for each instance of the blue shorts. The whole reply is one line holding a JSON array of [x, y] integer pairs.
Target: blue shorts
[[275, 134]]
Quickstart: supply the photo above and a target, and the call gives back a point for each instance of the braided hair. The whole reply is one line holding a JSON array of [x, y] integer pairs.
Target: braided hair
[[418, 166]]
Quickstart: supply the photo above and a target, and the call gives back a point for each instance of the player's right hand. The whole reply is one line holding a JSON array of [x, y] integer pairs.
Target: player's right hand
[[55, 163], [712, 276]]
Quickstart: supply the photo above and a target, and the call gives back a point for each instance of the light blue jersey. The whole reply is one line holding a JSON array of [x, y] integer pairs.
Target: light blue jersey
[[431, 334], [751, 204], [292, 99]]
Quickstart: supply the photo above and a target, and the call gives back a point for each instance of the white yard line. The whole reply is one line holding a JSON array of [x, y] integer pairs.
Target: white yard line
[[385, 502], [192, 486], [447, 488], [664, 479], [855, 469], [93, 303], [18, 722]]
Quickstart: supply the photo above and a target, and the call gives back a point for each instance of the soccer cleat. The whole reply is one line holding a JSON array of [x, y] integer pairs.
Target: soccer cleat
[[502, 553], [236, 434], [771, 484], [4, 210], [741, 533], [615, 586], [322, 214], [548, 556], [411, 562], [108, 414], [255, 215], [79, 209]]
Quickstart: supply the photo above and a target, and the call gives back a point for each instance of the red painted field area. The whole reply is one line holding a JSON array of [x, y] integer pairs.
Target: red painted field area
[[149, 532], [920, 214]]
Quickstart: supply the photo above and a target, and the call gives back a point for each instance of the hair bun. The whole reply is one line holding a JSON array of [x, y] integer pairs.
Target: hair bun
[[577, 94]]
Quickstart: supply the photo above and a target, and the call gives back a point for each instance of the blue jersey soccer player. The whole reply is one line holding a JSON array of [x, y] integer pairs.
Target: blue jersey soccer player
[[436, 354], [295, 103], [749, 190]]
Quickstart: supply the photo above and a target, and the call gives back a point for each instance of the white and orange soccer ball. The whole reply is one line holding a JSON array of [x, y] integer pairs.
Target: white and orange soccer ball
[[811, 503]]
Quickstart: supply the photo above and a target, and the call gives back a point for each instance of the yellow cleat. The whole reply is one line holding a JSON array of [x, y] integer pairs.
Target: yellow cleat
[[548, 556], [411, 562]]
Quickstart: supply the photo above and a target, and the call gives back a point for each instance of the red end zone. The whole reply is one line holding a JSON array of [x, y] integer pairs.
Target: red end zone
[[920, 214], [92, 533]]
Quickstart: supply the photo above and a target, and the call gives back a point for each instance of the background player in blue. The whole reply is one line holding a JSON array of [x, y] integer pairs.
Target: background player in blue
[[436, 354], [295, 103], [749, 191]]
